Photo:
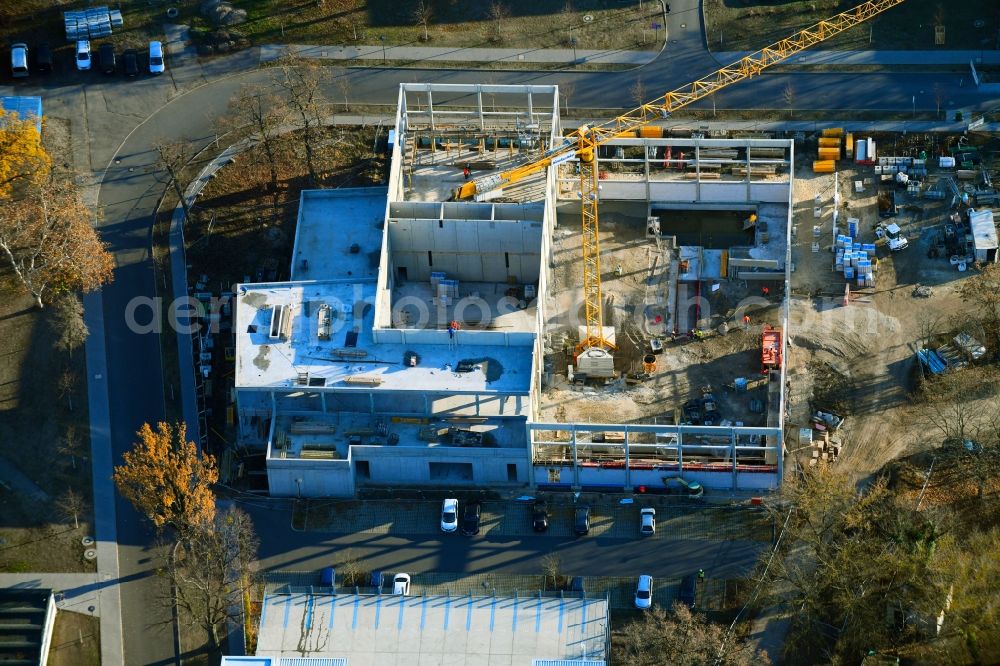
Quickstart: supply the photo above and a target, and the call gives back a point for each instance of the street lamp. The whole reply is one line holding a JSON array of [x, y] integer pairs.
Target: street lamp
[[381, 38]]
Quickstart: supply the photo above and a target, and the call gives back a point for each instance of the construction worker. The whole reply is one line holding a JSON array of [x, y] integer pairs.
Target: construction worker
[[746, 322], [765, 292], [466, 171], [701, 575]]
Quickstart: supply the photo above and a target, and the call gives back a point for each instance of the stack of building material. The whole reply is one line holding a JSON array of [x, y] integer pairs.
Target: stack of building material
[[825, 448]]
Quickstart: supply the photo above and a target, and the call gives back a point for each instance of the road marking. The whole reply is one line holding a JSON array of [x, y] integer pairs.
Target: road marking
[[447, 613], [402, 607], [354, 622], [562, 610], [493, 613], [309, 610], [378, 610], [513, 626], [423, 613], [538, 617], [288, 608], [333, 607]]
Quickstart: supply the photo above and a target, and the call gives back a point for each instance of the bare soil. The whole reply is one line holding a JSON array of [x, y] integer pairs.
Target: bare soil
[[76, 640], [858, 360]]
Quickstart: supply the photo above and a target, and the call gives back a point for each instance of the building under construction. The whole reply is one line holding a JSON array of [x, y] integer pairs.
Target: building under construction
[[429, 337]]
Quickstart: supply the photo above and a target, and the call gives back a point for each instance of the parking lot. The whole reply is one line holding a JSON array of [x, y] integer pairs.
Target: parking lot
[[513, 519]]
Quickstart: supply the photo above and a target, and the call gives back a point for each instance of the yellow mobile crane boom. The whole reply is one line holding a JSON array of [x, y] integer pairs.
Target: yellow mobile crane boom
[[583, 142]]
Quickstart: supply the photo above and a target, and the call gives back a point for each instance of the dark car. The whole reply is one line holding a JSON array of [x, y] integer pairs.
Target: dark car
[[539, 516], [688, 586], [106, 58], [581, 520], [130, 61], [576, 585], [470, 519], [328, 577], [376, 580], [43, 59]]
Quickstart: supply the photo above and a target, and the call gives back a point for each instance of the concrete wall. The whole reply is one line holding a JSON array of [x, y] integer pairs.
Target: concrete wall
[[409, 466], [467, 250], [691, 192], [721, 479], [318, 478], [50, 621]]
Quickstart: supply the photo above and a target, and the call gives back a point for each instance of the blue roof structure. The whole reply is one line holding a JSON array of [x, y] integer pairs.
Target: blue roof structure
[[24, 107]]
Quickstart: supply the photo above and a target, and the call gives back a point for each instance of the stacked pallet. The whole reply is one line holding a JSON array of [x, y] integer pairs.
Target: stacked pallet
[[826, 448]]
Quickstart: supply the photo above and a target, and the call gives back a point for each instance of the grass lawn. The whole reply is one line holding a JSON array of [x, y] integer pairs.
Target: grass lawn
[[747, 25], [76, 640], [594, 24]]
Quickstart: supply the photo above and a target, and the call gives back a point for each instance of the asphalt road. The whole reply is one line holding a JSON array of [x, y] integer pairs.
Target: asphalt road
[[285, 549]]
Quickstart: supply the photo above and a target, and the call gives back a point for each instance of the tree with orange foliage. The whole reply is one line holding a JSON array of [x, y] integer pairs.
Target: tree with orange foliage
[[166, 479], [48, 241], [23, 160]]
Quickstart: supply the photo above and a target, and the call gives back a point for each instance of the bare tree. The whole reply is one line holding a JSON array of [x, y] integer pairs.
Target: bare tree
[[67, 320], [498, 13], [552, 569], [173, 157], [689, 639], [212, 570], [788, 94], [72, 445], [344, 86], [301, 82], [66, 383], [638, 92], [566, 91], [351, 571], [72, 505], [259, 115], [422, 15]]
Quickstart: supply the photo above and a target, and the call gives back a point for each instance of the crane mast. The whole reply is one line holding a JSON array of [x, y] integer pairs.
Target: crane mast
[[583, 144]]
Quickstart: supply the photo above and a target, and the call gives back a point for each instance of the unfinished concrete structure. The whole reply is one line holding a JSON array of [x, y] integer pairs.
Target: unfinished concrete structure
[[424, 341]]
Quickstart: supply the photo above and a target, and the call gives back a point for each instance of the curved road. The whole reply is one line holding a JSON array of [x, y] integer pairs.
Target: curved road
[[132, 187]]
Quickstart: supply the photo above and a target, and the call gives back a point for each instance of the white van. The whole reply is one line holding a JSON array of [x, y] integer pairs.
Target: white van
[[83, 55], [19, 60]]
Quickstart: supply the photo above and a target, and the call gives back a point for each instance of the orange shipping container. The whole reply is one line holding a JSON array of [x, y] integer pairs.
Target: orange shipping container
[[829, 142], [651, 132], [833, 132], [829, 153], [850, 143], [824, 166]]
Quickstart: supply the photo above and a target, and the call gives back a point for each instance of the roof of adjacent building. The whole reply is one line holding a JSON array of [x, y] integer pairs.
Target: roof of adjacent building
[[374, 630], [984, 230], [25, 107], [24, 614]]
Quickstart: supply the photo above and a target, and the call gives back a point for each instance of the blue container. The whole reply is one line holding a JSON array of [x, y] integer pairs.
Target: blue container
[[852, 229], [741, 384], [857, 247], [869, 249], [849, 272]]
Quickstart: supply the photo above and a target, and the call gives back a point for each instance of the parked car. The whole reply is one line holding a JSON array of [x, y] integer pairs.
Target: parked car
[[83, 55], [449, 515], [470, 520], [647, 521], [43, 59], [576, 585], [156, 65], [19, 60], [686, 594], [376, 580], [581, 520], [401, 584], [328, 577], [539, 516], [130, 62], [106, 58], [644, 592]]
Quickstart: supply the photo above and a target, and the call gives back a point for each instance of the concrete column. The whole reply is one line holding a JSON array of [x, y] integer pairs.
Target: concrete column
[[576, 462], [371, 403], [430, 107], [697, 170], [628, 469], [680, 452], [531, 455], [732, 450], [479, 106]]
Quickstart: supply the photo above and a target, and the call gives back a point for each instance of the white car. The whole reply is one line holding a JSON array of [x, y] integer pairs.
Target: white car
[[156, 64], [449, 515], [644, 592], [647, 521], [83, 55], [401, 584]]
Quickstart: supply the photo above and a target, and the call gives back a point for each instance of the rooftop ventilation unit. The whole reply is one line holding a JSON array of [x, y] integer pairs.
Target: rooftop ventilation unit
[[281, 322]]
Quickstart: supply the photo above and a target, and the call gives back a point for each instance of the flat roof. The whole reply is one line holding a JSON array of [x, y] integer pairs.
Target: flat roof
[[339, 234], [370, 630], [351, 350], [984, 230]]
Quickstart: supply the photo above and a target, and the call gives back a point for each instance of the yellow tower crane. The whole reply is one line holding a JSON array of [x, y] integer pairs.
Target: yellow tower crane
[[583, 142]]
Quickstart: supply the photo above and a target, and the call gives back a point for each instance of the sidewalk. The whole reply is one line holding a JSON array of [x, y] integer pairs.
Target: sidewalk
[[376, 54], [80, 591], [823, 57]]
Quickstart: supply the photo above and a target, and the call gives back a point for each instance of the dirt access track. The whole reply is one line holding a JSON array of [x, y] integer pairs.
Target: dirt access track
[[858, 359]]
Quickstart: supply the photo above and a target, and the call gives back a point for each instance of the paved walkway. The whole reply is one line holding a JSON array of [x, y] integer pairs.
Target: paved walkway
[[105, 518], [80, 592], [376, 54]]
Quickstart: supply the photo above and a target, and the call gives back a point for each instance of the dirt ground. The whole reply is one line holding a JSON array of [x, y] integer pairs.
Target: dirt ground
[[682, 369], [34, 417], [859, 360], [76, 640]]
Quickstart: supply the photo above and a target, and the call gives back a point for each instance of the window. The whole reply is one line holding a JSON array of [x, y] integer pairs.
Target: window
[[506, 259], [512, 472], [362, 470], [430, 258]]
